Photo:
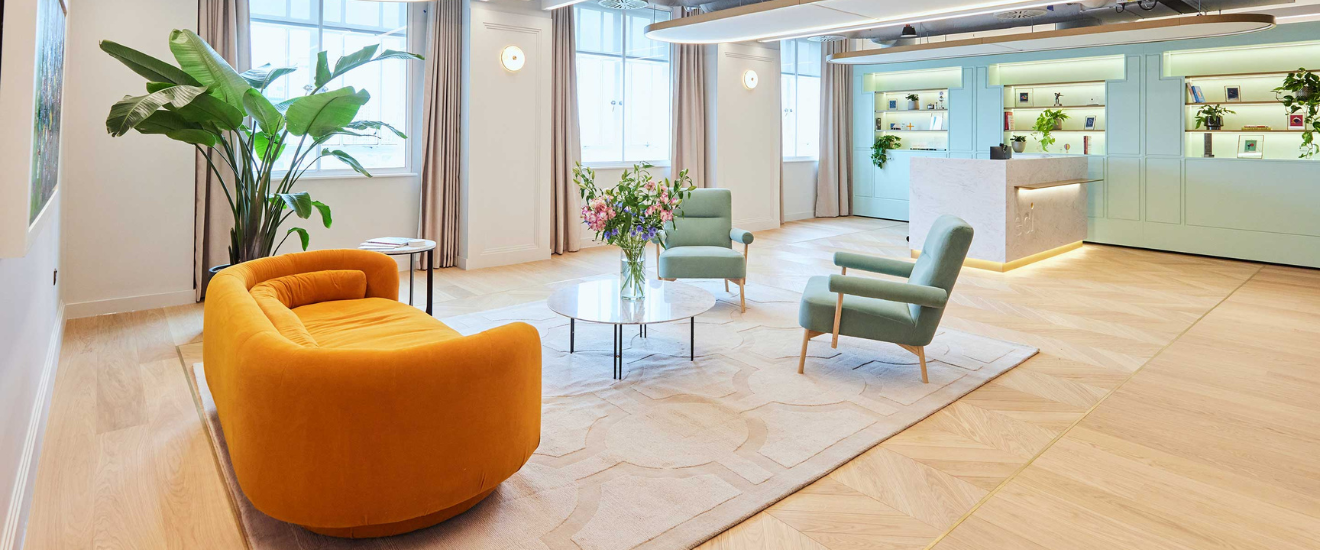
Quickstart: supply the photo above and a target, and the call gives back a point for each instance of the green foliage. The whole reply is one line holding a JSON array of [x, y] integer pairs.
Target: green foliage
[[1207, 112], [1045, 123], [913, 97], [880, 149], [204, 102], [1022, 139], [636, 209], [1307, 103]]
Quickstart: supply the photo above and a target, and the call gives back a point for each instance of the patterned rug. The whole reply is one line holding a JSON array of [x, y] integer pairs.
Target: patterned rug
[[678, 451]]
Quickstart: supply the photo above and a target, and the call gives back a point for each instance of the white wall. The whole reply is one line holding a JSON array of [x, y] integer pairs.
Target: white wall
[[505, 206], [128, 201], [745, 146], [799, 189], [30, 327]]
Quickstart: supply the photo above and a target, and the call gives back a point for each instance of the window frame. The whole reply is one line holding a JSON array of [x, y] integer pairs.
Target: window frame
[[415, 21], [796, 74], [623, 59]]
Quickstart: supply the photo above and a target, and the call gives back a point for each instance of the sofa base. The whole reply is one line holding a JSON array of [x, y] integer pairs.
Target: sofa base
[[400, 527]]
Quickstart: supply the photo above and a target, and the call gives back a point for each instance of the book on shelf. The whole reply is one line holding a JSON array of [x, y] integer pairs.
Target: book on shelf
[[1197, 95], [1008, 121], [1086, 145]]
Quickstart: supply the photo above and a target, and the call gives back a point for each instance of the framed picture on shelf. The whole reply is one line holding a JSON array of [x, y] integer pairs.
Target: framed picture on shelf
[[1295, 122], [893, 105], [1024, 98], [936, 122], [1090, 122], [1251, 147], [894, 126], [1232, 94]]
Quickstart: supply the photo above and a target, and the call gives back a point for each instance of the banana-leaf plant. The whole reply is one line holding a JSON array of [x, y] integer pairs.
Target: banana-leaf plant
[[224, 114]]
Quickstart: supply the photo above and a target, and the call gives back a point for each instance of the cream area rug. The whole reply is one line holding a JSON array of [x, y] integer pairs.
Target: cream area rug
[[677, 451]]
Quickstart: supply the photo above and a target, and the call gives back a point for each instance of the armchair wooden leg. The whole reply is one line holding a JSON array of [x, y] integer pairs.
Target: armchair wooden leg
[[838, 316], [920, 352], [742, 294], [806, 339], [726, 285]]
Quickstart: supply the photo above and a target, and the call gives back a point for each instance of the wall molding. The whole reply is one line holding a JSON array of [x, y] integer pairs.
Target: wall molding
[[15, 526], [132, 303], [758, 224], [519, 255]]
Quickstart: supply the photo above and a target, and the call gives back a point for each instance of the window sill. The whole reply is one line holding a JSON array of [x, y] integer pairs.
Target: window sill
[[801, 159], [618, 165], [349, 175]]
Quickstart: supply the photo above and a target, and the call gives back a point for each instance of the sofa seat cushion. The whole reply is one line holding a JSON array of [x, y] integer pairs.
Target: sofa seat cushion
[[868, 318], [371, 323], [702, 262]]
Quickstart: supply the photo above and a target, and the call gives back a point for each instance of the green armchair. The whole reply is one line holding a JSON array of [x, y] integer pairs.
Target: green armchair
[[701, 245], [906, 314]]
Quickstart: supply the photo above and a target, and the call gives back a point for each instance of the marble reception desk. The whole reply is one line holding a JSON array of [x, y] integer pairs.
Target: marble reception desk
[[1023, 210]]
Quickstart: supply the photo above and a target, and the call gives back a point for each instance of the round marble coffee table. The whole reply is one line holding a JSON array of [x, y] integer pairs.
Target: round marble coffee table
[[598, 302]]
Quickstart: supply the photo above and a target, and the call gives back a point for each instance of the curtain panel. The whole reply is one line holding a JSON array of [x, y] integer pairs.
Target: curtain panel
[[566, 148], [442, 131], [834, 172], [689, 127]]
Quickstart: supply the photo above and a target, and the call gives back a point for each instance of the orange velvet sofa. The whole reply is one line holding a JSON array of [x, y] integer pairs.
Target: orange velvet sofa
[[353, 415]]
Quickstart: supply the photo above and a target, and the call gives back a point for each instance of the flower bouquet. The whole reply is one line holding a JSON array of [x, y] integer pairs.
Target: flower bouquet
[[631, 214]]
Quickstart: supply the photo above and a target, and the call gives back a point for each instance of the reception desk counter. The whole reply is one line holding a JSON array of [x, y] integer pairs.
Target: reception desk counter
[[1023, 210]]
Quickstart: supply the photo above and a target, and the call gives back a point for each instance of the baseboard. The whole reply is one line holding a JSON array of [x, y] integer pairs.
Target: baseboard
[[131, 303], [20, 501], [797, 216], [760, 224], [499, 258]]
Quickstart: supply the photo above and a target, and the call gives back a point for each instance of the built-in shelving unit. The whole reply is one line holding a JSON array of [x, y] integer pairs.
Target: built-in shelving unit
[[1084, 102], [1255, 104], [924, 128]]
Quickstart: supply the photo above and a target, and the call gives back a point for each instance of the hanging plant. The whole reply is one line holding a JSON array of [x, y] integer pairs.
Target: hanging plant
[[1048, 121], [1212, 116], [880, 149], [1300, 92]]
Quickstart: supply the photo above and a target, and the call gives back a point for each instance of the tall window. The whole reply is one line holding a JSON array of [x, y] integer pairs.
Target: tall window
[[800, 84], [289, 33], [623, 85]]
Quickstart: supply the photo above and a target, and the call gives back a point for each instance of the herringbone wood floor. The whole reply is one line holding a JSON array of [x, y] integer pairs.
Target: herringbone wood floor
[[1172, 406]]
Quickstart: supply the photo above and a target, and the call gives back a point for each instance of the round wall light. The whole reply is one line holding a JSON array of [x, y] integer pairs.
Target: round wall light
[[512, 58], [750, 80]]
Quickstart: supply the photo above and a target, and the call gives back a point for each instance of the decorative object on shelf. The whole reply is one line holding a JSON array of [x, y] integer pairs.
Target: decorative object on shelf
[[879, 124], [936, 122], [1197, 95], [1209, 145], [629, 215], [1019, 144], [1090, 122], [930, 106], [893, 105], [512, 59], [224, 114], [941, 99], [1049, 120], [880, 149], [1067, 148], [914, 102], [895, 126], [1212, 116], [1301, 95], [1257, 128], [1024, 98], [910, 126], [1008, 121], [1058, 99], [1000, 152], [1296, 122], [1251, 147], [1232, 94]]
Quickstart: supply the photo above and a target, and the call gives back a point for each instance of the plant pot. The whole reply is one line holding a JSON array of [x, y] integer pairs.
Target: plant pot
[[1058, 125], [912, 105], [1213, 123], [632, 273], [1019, 146], [1305, 93]]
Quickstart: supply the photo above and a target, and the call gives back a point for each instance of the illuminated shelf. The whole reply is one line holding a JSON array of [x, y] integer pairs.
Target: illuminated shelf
[[910, 131], [1056, 131], [1244, 131], [1237, 103], [1064, 108], [913, 111]]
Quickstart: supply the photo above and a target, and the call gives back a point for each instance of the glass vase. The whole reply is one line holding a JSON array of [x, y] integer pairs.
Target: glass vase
[[632, 272]]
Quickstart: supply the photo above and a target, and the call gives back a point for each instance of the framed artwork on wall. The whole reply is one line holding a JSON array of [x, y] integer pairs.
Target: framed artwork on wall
[[32, 49], [1024, 98], [1296, 122], [1251, 147]]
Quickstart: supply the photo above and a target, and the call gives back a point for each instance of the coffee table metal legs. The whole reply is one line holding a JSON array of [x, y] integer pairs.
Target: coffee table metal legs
[[618, 352], [430, 279], [572, 333], [617, 349], [692, 341]]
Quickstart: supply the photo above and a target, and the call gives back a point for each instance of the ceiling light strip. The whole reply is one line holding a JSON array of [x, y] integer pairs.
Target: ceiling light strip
[[895, 22]]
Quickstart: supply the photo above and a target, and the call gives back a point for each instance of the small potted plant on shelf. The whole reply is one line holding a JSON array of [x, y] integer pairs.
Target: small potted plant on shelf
[[1019, 144], [880, 149], [1212, 116], [1050, 120], [1300, 92], [914, 102]]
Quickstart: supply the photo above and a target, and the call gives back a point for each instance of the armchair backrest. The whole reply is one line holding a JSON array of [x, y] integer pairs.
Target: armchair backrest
[[941, 260], [707, 220]]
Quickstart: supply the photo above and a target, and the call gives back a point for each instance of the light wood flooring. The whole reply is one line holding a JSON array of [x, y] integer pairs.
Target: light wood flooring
[[1173, 405]]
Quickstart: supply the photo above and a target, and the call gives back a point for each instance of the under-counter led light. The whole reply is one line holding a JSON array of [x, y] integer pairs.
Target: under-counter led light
[[512, 58], [750, 80]]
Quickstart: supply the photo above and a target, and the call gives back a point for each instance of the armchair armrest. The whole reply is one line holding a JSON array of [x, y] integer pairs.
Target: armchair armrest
[[874, 264], [741, 236], [907, 293]]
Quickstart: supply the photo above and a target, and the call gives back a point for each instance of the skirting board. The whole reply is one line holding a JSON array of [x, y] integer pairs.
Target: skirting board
[[504, 258], [20, 501], [798, 216], [1009, 266], [131, 303]]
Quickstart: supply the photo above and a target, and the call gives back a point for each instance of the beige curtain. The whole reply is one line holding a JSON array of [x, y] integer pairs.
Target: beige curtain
[[566, 148], [442, 133], [224, 25], [834, 173], [688, 143]]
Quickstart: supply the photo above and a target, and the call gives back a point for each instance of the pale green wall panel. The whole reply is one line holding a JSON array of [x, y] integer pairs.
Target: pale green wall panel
[[961, 108], [1165, 101], [989, 113], [1095, 190], [1123, 111], [1164, 190], [1234, 194], [1123, 188]]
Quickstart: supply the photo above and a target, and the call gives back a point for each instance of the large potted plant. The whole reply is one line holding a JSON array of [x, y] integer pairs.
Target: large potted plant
[[629, 215], [1212, 116], [880, 149], [204, 102], [1050, 120], [1300, 92]]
